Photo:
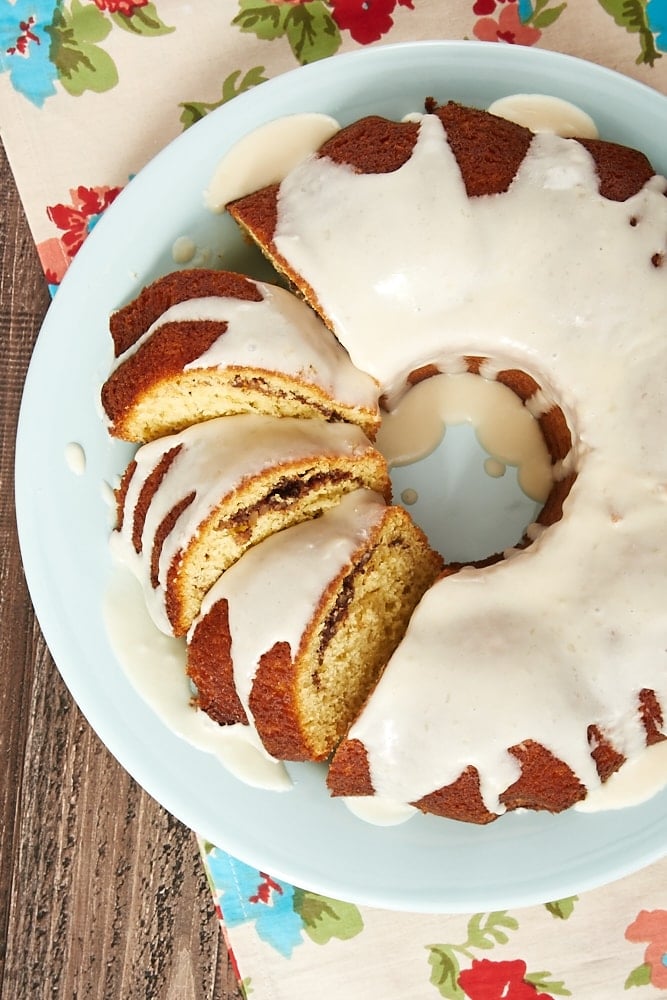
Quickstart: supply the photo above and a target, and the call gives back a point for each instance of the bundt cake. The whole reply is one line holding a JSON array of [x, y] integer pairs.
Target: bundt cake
[[293, 636], [460, 241], [198, 344], [455, 241], [189, 504]]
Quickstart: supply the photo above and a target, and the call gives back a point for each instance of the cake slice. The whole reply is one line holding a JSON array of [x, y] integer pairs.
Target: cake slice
[[293, 637], [191, 503], [199, 344]]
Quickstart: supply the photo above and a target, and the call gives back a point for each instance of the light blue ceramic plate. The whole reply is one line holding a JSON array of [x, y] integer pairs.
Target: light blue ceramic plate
[[305, 837]]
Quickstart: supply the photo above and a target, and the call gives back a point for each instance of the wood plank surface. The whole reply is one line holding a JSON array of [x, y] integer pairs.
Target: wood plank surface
[[102, 892]]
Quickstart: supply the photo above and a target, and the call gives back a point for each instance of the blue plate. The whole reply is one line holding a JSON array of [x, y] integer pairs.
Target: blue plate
[[427, 864]]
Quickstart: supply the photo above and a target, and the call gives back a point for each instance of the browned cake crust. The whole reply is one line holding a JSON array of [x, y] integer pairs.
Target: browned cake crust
[[158, 360], [131, 321], [211, 668], [303, 701], [488, 149], [545, 782]]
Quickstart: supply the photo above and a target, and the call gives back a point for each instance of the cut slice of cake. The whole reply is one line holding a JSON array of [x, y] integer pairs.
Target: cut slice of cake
[[201, 344], [190, 504], [294, 636]]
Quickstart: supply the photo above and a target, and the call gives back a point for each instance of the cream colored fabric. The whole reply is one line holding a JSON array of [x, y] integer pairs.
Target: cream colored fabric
[[89, 92]]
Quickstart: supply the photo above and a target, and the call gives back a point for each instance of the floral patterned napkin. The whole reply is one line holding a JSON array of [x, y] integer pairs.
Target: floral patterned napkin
[[89, 92]]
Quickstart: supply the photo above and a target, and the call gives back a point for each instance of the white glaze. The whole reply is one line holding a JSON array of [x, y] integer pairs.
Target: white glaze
[[570, 642], [216, 457], [544, 113], [495, 468], [277, 334], [378, 811], [183, 250], [273, 591], [75, 458], [392, 315], [504, 427], [552, 279], [636, 782], [155, 666], [108, 495], [266, 155]]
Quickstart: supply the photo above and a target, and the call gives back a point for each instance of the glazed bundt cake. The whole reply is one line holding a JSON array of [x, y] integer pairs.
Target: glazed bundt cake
[[191, 503], [198, 344], [452, 242], [459, 241], [292, 638]]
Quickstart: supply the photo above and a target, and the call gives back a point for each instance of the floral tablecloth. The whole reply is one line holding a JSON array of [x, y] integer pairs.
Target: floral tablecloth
[[89, 92]]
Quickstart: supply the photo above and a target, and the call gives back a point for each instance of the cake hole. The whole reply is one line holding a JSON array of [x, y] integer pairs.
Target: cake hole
[[658, 259], [478, 461]]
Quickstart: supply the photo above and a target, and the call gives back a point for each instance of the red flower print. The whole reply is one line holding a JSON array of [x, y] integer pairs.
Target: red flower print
[[366, 20], [54, 260], [486, 980], [484, 7], [125, 7], [230, 952], [77, 220], [507, 27], [651, 926], [23, 40], [265, 888]]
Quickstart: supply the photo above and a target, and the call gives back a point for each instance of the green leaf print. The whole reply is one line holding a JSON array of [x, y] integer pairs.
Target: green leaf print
[[541, 981], [81, 64], [261, 18], [233, 85], [485, 931], [311, 31], [562, 908], [445, 971], [142, 21], [641, 976], [547, 17], [542, 16], [86, 21], [324, 918], [309, 27], [626, 13], [631, 15]]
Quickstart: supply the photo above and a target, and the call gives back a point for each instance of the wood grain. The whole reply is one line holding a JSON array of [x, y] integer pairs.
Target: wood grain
[[102, 892]]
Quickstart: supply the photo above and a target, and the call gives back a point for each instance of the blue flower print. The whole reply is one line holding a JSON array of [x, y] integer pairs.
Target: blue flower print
[[250, 895], [525, 10], [656, 14], [24, 47]]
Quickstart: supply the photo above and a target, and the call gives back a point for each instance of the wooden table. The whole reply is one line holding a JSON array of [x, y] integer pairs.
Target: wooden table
[[102, 892]]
